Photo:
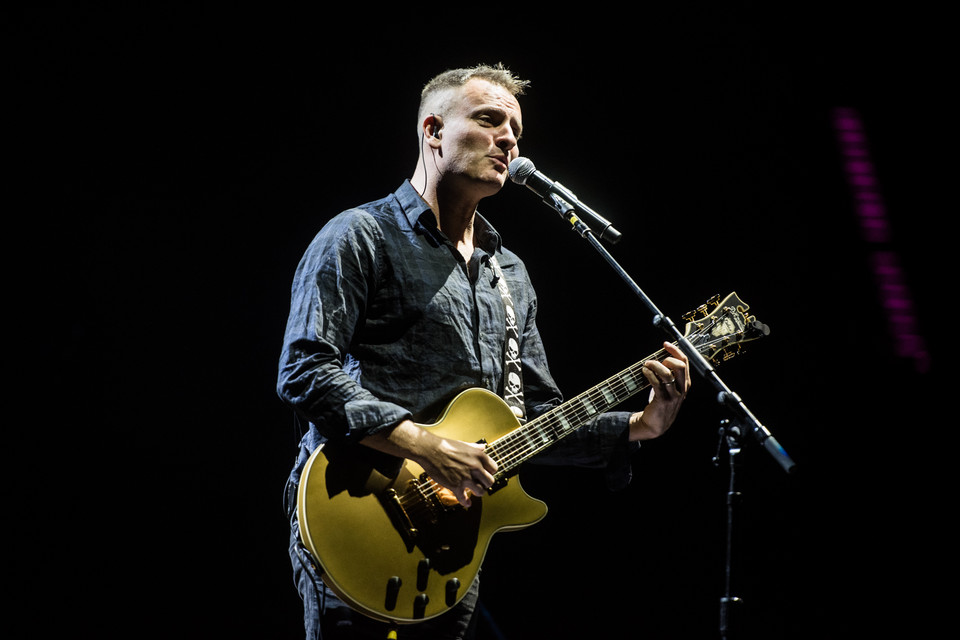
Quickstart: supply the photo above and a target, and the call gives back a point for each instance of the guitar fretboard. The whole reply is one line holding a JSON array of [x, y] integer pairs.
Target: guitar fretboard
[[511, 450], [725, 327]]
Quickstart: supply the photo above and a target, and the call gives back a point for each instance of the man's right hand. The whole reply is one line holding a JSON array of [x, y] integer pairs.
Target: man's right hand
[[462, 467]]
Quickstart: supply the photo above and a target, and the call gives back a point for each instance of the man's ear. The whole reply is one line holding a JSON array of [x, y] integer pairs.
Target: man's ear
[[433, 127]]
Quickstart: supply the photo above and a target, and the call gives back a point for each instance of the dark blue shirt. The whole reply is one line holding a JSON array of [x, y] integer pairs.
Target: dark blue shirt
[[388, 321]]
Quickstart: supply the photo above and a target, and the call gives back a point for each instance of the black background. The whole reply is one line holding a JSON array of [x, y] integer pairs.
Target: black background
[[170, 163]]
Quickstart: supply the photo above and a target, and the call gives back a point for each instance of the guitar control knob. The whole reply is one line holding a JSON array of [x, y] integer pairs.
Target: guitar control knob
[[420, 605], [393, 590], [423, 574], [453, 587]]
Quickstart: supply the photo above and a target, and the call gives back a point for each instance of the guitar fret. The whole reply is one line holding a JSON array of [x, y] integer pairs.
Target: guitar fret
[[528, 439], [494, 452], [543, 439]]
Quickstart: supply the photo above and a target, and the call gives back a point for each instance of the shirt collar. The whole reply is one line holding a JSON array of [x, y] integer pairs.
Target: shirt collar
[[420, 217]]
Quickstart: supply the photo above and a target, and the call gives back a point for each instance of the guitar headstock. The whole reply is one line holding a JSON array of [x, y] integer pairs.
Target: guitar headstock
[[719, 328]]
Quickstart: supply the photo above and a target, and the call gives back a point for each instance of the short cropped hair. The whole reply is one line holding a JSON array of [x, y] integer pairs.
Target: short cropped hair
[[436, 92]]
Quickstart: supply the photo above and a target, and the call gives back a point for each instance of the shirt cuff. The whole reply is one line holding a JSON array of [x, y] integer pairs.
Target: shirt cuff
[[368, 416]]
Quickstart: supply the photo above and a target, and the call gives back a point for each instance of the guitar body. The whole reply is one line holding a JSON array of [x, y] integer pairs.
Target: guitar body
[[387, 542]]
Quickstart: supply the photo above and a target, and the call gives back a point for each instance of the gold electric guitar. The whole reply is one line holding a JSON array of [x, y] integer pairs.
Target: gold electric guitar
[[397, 547]]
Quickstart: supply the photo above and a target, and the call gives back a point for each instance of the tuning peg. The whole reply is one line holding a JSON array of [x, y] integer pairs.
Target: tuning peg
[[732, 351], [699, 312], [759, 327], [703, 310]]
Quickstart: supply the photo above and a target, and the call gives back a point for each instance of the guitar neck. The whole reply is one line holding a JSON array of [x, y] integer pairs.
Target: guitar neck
[[716, 334], [521, 444]]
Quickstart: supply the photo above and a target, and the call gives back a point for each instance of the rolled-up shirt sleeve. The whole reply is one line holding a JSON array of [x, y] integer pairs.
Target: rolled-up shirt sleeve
[[327, 303]]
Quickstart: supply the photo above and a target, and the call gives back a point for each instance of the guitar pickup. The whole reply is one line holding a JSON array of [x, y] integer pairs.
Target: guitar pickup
[[398, 515]]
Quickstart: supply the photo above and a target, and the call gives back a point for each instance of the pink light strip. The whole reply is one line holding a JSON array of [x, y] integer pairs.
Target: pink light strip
[[872, 214]]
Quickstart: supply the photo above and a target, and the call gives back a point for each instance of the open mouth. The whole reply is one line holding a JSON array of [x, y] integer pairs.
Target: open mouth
[[501, 162]]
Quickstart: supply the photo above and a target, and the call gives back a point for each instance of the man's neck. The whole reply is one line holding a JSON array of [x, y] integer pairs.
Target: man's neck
[[458, 226], [455, 213]]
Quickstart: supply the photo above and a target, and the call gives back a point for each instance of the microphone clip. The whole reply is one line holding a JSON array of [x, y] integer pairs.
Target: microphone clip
[[568, 212]]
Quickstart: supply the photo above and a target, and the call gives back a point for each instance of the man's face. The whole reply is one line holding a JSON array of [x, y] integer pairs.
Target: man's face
[[480, 133]]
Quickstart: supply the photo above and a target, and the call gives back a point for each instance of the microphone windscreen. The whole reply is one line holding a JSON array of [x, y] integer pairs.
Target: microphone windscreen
[[520, 169]]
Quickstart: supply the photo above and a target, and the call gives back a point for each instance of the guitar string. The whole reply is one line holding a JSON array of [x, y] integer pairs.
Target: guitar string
[[558, 422], [518, 445]]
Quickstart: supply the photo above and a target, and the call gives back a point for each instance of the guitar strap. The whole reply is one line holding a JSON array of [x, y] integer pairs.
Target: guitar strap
[[512, 374]]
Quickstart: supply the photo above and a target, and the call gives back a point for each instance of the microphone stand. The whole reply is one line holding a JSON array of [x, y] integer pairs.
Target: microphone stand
[[730, 433], [742, 416], [725, 396]]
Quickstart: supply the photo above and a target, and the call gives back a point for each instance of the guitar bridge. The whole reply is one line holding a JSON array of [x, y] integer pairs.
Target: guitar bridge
[[424, 502]]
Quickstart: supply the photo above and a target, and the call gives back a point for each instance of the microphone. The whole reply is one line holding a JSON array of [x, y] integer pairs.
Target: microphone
[[522, 171]]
